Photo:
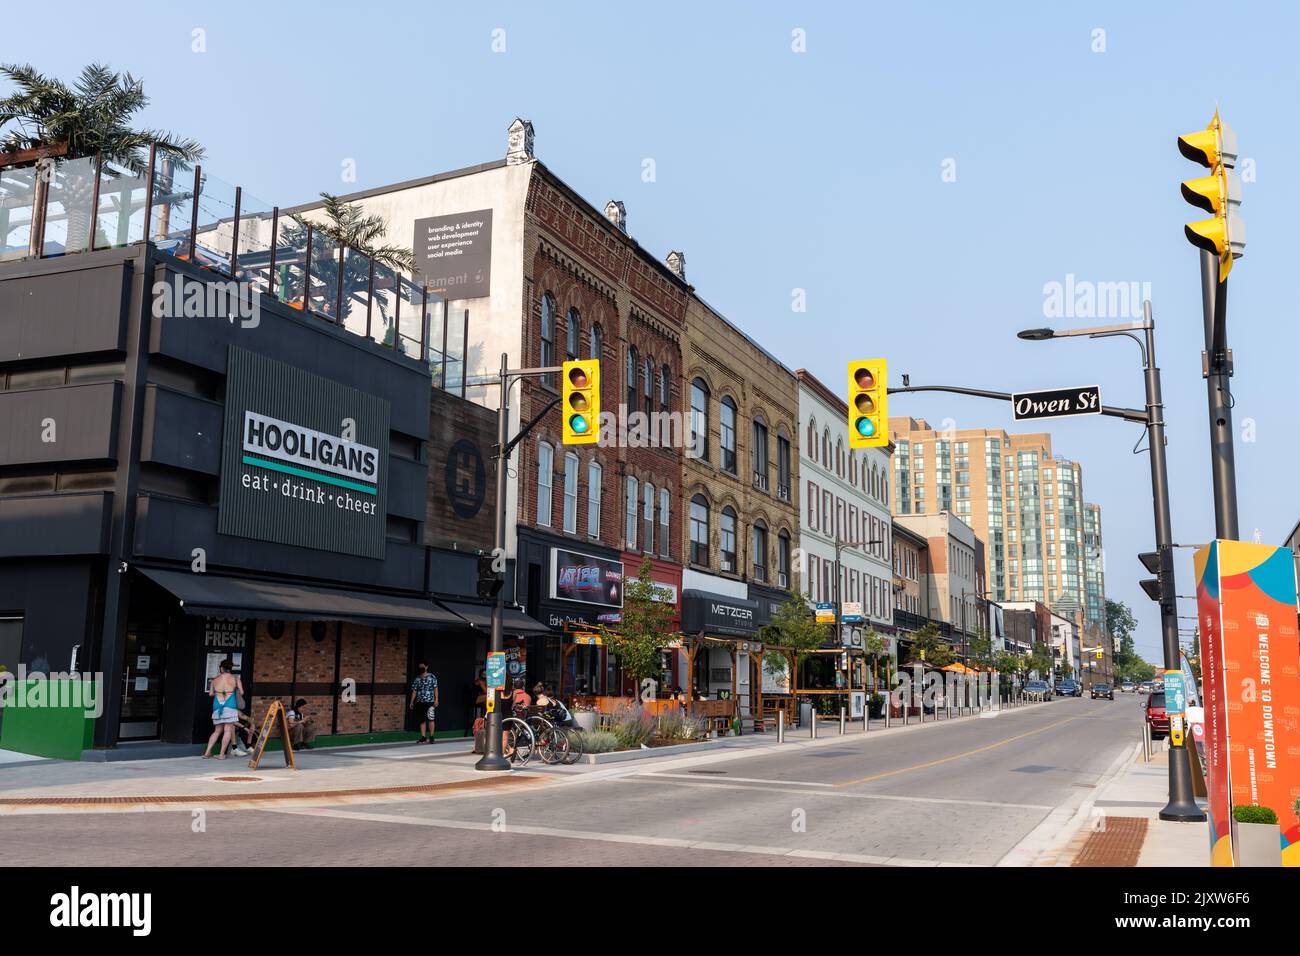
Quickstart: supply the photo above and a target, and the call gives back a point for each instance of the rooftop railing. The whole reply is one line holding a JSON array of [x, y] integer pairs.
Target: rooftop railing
[[93, 203]]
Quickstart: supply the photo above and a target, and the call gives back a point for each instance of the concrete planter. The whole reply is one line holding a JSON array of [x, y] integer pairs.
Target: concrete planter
[[1256, 844], [587, 720], [620, 756]]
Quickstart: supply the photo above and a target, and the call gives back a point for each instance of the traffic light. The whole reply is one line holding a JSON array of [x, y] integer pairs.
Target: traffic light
[[868, 397], [1160, 588], [490, 581], [582, 402], [1218, 193]]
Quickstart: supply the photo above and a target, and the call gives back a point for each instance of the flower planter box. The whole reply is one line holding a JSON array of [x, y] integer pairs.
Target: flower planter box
[[587, 720], [1256, 844]]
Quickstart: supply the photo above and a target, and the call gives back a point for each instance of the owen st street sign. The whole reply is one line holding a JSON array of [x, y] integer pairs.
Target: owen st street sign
[[1057, 403]]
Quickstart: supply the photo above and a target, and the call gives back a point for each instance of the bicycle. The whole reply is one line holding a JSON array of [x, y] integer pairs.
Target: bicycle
[[555, 742], [519, 742]]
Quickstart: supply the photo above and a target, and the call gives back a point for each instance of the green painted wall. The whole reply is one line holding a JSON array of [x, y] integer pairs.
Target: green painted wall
[[45, 731]]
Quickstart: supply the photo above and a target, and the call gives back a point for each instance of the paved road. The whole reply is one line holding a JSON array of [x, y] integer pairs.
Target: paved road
[[964, 793]]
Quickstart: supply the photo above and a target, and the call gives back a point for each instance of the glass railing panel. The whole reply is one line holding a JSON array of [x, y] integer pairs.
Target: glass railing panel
[[437, 323], [17, 200], [214, 237], [68, 206], [290, 260], [253, 259], [383, 305], [172, 208], [356, 278], [322, 297], [120, 219], [412, 317]]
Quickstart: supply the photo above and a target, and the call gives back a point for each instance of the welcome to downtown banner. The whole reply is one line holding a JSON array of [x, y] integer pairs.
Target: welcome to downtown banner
[[1250, 665]]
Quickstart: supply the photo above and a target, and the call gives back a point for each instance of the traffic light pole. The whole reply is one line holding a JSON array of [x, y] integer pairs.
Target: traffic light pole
[[492, 758], [1182, 804], [1218, 371]]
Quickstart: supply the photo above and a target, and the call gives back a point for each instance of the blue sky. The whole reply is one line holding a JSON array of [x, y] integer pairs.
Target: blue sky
[[821, 170]]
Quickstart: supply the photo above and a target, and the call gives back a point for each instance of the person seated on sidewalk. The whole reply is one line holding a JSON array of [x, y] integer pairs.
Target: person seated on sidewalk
[[302, 729]]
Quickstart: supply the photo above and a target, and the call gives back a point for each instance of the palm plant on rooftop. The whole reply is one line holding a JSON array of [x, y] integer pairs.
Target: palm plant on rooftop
[[93, 115]]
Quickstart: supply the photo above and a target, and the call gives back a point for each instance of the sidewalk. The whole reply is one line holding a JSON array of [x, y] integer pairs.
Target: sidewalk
[[1123, 825]]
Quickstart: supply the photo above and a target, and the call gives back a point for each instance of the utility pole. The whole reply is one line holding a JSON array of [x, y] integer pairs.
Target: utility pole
[[492, 758], [1217, 362]]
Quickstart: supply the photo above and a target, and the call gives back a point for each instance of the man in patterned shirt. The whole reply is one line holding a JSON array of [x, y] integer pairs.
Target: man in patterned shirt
[[424, 700]]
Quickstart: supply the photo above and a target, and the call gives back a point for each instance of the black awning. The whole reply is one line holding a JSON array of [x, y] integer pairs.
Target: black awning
[[480, 617], [224, 596]]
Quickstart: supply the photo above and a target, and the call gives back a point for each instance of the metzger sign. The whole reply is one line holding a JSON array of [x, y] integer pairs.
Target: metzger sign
[[304, 459]]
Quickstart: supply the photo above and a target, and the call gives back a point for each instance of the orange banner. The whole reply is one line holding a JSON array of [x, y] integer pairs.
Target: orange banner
[[1250, 660]]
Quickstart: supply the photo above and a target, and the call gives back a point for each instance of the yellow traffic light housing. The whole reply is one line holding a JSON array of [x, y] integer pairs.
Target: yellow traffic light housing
[[1219, 193], [868, 401], [581, 402]]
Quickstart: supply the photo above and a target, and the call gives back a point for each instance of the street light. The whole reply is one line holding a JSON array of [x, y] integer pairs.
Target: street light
[[1182, 805]]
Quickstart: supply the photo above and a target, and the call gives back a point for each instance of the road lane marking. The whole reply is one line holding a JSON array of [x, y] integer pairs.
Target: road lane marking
[[730, 779], [832, 792], [625, 838], [951, 757]]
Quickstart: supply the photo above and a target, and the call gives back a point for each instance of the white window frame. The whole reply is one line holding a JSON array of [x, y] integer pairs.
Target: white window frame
[[545, 483], [571, 465], [595, 486]]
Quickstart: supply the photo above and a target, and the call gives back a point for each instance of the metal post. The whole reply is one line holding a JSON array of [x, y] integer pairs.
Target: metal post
[[306, 274], [464, 355], [194, 210], [424, 325], [148, 191], [780, 726], [275, 239], [338, 287], [841, 720], [1218, 371], [234, 234], [1182, 803], [397, 319], [492, 758], [812, 724], [370, 294], [94, 201]]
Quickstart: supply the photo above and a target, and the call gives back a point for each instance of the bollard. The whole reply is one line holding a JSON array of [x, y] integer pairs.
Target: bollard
[[866, 717], [889, 709], [780, 726], [841, 720], [812, 724], [949, 703]]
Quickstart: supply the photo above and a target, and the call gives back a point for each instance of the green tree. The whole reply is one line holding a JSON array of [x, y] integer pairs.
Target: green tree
[[646, 626], [929, 646], [93, 115], [1040, 660], [793, 628]]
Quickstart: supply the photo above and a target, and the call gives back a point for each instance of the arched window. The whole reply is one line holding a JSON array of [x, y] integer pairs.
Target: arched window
[[648, 384], [810, 444], [760, 551], [853, 470], [728, 528], [827, 462], [783, 474], [700, 531], [648, 518], [665, 542], [700, 419], [727, 435], [548, 330], [597, 342], [665, 400], [631, 373], [758, 453], [783, 559], [545, 476], [594, 489], [571, 493], [573, 334], [839, 457], [629, 526]]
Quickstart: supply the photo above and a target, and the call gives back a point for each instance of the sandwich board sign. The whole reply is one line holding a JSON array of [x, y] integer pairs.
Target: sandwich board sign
[[275, 710]]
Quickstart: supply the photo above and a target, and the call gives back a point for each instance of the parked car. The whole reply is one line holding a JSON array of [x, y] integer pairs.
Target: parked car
[[1103, 690], [1145, 687], [1069, 688], [1128, 687], [1037, 690], [1157, 718]]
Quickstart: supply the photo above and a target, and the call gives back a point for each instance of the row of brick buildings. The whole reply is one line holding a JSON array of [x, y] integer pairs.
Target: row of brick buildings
[[744, 492]]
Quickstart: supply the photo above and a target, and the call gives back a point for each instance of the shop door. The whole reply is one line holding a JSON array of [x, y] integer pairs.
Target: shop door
[[142, 683]]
